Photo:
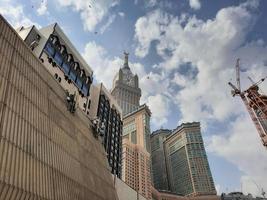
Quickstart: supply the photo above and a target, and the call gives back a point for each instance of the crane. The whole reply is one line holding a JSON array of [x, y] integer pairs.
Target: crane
[[255, 103]]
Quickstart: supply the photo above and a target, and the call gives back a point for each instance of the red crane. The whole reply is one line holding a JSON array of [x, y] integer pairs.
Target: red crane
[[255, 103]]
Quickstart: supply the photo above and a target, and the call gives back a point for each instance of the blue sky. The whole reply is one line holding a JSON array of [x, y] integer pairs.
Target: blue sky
[[184, 52]]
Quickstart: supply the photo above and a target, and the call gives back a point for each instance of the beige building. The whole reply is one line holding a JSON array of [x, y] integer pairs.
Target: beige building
[[136, 164], [62, 60], [45, 151], [187, 163]]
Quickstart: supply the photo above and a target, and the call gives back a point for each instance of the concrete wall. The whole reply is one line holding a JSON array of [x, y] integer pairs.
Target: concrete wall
[[45, 151], [125, 192]]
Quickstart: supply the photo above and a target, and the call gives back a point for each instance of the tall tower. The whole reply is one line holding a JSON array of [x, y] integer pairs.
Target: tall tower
[[126, 88], [136, 164], [159, 172], [184, 150]]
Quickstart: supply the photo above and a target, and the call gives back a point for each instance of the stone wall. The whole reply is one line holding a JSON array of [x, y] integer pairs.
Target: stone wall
[[45, 151]]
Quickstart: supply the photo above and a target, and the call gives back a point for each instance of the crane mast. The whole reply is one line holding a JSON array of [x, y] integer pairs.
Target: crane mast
[[256, 104]]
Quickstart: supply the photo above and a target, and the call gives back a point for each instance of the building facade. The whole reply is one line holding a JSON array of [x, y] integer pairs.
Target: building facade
[[104, 108], [126, 89], [136, 164], [240, 195], [187, 164], [159, 171], [45, 151], [62, 60]]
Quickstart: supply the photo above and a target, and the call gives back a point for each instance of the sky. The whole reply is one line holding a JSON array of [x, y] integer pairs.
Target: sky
[[184, 52]]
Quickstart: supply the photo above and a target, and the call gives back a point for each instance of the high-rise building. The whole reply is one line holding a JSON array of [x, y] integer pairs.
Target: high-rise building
[[187, 164], [62, 60], [159, 171], [136, 164], [126, 89], [105, 109]]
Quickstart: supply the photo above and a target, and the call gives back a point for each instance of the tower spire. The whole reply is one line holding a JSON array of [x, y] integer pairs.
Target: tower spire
[[126, 55]]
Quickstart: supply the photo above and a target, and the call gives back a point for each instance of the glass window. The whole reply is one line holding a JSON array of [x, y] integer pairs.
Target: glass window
[[50, 49], [79, 82], [72, 75], [66, 68], [58, 58], [85, 90]]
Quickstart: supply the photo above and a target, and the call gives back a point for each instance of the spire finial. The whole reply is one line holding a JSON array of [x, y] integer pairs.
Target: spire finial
[[126, 55]]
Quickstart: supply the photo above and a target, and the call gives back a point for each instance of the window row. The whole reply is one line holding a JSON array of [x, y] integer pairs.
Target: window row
[[66, 63]]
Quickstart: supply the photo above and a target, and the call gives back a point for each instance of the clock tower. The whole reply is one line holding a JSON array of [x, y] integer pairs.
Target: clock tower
[[126, 88]]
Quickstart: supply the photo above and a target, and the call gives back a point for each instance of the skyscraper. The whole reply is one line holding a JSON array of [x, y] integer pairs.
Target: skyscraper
[[187, 164], [159, 172], [126, 88], [136, 164]]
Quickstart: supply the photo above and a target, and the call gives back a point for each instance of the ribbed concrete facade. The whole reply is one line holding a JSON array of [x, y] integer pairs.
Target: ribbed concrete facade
[[45, 151]]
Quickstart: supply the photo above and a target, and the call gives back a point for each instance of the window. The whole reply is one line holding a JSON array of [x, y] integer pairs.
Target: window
[[72, 75], [50, 49], [89, 104], [79, 82], [85, 90], [58, 58], [66, 68]]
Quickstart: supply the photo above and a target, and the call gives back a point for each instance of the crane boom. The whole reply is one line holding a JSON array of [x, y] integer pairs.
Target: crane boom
[[256, 104], [237, 68]]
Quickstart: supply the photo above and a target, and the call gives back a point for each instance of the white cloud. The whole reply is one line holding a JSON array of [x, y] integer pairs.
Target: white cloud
[[159, 105], [43, 8], [149, 28], [157, 94], [92, 12], [107, 24], [122, 14], [180, 79], [195, 4], [151, 3], [15, 15], [211, 47], [152, 84]]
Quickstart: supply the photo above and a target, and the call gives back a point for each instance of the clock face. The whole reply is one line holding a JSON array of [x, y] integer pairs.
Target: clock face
[[129, 80]]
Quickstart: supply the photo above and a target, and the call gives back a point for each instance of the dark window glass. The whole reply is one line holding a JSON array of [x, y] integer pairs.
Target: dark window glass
[[66, 68], [79, 83], [72, 75], [58, 58], [50, 49], [85, 90]]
